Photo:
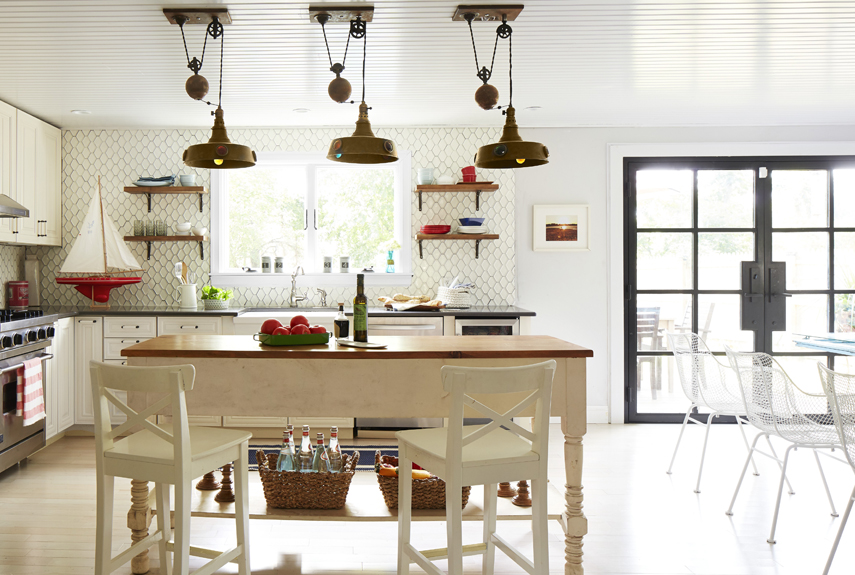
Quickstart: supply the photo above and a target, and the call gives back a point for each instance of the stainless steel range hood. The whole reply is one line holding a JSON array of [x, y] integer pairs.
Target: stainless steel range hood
[[9, 208]]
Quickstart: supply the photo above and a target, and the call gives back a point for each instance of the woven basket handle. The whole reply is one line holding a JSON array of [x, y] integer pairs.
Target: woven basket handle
[[351, 463], [261, 458]]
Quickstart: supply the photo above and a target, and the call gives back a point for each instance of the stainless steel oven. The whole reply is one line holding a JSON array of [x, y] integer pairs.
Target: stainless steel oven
[[487, 326]]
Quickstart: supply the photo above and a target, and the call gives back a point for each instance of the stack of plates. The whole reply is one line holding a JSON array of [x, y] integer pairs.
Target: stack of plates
[[155, 182], [431, 230], [472, 229]]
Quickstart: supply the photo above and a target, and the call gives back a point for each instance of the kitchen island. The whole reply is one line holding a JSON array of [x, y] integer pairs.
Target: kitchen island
[[237, 376]]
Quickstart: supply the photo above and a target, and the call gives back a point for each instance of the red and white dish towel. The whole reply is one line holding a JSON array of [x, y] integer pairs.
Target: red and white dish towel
[[31, 401]]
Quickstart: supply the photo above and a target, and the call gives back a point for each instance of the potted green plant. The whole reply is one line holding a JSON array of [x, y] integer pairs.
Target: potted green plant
[[216, 298]]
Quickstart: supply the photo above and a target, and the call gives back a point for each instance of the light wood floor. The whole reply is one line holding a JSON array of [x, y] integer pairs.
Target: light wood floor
[[641, 521]]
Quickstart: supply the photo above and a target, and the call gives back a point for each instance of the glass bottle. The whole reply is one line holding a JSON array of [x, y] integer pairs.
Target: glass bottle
[[360, 311], [305, 456], [320, 461], [286, 455], [341, 325], [390, 262], [334, 452]]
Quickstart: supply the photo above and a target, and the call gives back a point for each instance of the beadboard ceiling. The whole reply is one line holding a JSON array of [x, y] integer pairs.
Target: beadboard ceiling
[[584, 63]]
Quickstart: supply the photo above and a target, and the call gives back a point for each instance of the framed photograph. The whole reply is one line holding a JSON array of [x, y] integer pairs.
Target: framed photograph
[[561, 228]]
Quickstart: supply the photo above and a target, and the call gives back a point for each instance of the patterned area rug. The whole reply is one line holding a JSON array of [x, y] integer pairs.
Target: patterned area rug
[[366, 454]]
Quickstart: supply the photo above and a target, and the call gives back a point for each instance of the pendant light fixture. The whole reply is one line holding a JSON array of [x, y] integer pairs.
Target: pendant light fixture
[[511, 151], [219, 153], [363, 147]]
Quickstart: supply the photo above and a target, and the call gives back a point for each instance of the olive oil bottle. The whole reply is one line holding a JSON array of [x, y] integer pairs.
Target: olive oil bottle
[[360, 311]]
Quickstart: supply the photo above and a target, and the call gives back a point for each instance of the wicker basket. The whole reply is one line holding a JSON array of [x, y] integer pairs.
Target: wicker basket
[[454, 297], [216, 304], [295, 490], [427, 493]]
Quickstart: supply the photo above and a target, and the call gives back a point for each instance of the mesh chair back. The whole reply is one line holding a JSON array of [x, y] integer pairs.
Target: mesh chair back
[[840, 390], [775, 404], [704, 379]]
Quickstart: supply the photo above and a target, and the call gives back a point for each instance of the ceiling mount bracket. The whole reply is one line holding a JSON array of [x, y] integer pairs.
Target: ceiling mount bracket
[[487, 12], [197, 15], [333, 14]]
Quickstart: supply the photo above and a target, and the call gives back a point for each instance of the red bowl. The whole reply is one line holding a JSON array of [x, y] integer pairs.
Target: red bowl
[[436, 229]]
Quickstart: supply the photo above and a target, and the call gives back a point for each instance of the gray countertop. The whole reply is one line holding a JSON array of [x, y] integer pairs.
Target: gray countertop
[[475, 311]]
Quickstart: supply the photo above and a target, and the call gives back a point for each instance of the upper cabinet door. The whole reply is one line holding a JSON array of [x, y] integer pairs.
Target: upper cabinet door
[[8, 183], [29, 136], [48, 196]]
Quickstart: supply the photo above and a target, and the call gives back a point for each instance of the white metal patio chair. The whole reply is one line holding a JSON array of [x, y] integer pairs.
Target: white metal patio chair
[[709, 383], [481, 455], [778, 407], [166, 455], [840, 391]]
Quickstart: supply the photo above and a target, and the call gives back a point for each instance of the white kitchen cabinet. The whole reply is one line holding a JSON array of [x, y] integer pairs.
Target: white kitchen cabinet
[[88, 346], [130, 326], [8, 166], [59, 379], [38, 176], [177, 325]]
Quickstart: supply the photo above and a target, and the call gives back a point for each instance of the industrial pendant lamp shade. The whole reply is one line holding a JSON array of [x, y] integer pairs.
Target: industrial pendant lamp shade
[[511, 151], [363, 147], [219, 153]]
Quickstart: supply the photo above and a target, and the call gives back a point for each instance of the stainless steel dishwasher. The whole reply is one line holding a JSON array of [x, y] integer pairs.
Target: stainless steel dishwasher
[[398, 326]]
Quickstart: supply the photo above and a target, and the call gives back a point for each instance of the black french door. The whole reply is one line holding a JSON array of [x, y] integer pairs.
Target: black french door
[[745, 252]]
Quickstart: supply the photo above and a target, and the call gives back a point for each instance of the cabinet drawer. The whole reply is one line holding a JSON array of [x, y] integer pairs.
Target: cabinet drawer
[[113, 346], [189, 325], [130, 326]]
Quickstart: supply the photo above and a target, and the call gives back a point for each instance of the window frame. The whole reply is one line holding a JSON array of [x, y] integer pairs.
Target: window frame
[[313, 276]]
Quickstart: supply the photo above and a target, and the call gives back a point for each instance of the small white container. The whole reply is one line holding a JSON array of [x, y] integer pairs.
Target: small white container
[[454, 297], [266, 264], [187, 179], [187, 296], [279, 265], [344, 264], [327, 264]]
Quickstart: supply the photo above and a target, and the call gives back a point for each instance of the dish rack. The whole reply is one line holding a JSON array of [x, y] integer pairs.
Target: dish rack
[[459, 298]]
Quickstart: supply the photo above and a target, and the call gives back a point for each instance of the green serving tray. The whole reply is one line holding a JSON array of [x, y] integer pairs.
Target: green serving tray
[[305, 339]]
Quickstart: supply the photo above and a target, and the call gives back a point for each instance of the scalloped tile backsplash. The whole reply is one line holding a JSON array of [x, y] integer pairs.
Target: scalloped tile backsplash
[[120, 156]]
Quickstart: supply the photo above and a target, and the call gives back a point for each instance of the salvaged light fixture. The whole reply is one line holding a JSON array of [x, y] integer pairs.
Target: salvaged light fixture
[[219, 153], [511, 151], [363, 147]]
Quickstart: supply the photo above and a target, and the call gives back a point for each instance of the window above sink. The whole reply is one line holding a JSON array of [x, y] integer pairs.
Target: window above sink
[[303, 207]]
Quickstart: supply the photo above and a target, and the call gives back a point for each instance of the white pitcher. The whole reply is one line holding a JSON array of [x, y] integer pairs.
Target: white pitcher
[[187, 296]]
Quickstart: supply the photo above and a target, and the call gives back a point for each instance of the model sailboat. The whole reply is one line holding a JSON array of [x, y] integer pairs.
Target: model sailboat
[[98, 248]]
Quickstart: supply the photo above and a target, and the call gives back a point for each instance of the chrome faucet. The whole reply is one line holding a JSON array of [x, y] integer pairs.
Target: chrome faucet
[[294, 297], [323, 295]]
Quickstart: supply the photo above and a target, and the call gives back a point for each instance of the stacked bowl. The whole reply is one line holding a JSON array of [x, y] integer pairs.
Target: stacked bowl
[[471, 226]]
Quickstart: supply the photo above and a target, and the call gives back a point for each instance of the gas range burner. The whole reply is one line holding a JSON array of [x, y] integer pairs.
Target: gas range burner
[[15, 315]]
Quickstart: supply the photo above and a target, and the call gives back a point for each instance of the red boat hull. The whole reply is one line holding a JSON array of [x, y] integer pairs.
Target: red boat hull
[[98, 288]]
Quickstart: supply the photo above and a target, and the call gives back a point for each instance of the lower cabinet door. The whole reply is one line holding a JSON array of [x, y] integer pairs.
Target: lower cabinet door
[[88, 345], [62, 365]]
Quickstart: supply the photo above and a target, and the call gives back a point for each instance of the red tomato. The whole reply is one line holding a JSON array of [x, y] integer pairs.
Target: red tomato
[[270, 325], [299, 329], [282, 331], [318, 329], [299, 320]]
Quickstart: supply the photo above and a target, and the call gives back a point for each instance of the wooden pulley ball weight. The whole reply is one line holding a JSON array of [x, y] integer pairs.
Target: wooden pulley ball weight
[[487, 96], [339, 88], [196, 86]]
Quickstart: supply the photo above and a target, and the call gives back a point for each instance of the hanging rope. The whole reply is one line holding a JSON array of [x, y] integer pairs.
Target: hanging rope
[[364, 49], [195, 64], [327, 44], [483, 73]]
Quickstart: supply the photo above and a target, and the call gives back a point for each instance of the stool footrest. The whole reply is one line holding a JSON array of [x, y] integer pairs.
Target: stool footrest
[[134, 550], [517, 557], [437, 554]]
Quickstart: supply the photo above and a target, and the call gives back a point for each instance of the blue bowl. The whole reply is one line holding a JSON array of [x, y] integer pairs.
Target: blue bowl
[[471, 221]]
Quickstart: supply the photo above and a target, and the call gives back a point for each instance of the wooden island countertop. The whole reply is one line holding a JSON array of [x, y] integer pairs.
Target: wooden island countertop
[[398, 347]]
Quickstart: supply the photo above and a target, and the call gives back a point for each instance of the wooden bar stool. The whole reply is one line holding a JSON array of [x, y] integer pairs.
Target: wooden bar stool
[[168, 454], [480, 455]]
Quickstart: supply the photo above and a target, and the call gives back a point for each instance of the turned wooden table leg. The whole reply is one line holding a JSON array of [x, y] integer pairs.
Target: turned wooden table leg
[[505, 490], [139, 520], [226, 494], [573, 426], [523, 499], [208, 482]]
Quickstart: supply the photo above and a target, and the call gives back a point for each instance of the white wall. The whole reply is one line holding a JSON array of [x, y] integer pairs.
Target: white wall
[[569, 291]]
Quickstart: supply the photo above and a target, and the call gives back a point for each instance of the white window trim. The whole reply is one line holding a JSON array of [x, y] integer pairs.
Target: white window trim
[[403, 227]]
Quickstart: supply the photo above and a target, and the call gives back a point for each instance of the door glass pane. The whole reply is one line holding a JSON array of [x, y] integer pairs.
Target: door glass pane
[[844, 198], [720, 256], [664, 261], [844, 260], [844, 364], [844, 312], [725, 198], [806, 314], [799, 198], [658, 386], [803, 371], [266, 216], [657, 314], [664, 198], [718, 323], [806, 254]]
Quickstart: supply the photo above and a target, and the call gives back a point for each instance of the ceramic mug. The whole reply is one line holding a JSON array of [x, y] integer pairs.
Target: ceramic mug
[[187, 179], [468, 174], [187, 296]]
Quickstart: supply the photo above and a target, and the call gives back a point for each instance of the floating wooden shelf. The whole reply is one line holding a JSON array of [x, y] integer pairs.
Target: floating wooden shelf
[[476, 237], [477, 188], [149, 239], [149, 190]]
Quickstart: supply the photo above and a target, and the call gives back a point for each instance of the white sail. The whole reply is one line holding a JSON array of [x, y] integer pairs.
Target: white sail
[[96, 245]]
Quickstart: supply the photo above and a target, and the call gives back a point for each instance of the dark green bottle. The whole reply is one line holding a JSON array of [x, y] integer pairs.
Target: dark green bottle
[[360, 311]]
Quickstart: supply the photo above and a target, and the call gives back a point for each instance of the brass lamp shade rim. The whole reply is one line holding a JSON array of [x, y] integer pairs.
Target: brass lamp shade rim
[[363, 147], [219, 153], [511, 151]]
